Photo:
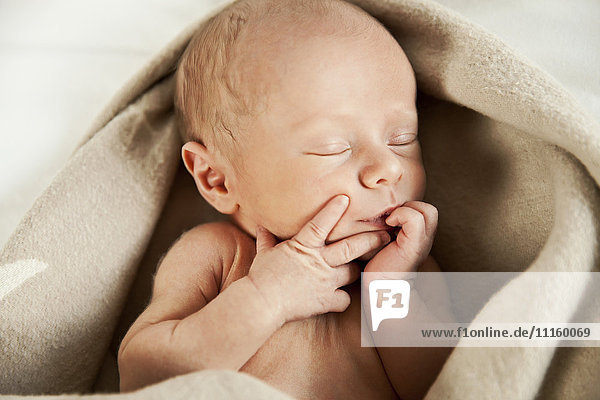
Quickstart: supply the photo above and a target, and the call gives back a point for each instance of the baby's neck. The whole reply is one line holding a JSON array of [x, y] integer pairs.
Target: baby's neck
[[234, 219]]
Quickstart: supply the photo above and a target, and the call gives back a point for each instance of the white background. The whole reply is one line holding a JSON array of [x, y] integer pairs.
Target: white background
[[62, 61]]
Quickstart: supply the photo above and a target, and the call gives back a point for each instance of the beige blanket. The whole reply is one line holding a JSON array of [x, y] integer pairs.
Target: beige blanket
[[513, 166]]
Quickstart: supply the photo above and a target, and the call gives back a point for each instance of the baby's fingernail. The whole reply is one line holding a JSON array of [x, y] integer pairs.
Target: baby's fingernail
[[344, 199], [389, 221]]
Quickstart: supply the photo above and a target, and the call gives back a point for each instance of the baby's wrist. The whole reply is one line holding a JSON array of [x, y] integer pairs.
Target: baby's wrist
[[273, 309], [387, 263]]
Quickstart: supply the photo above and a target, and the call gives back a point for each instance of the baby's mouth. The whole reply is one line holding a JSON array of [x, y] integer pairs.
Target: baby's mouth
[[380, 219], [379, 222]]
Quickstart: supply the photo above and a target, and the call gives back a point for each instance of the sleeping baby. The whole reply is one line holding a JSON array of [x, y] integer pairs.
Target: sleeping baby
[[300, 123]]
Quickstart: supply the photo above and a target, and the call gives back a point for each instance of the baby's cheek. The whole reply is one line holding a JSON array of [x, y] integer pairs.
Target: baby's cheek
[[287, 224], [283, 229], [420, 180]]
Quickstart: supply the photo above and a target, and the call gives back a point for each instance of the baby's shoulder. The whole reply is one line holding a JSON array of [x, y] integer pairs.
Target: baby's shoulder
[[224, 241], [202, 253], [222, 235], [192, 271]]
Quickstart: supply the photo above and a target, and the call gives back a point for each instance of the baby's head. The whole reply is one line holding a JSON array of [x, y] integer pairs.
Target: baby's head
[[285, 104]]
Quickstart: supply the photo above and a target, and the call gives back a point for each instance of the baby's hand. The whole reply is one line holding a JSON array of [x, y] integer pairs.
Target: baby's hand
[[300, 277], [413, 244]]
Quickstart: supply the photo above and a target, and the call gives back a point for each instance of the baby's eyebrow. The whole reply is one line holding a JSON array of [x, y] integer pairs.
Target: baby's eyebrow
[[344, 118], [313, 119]]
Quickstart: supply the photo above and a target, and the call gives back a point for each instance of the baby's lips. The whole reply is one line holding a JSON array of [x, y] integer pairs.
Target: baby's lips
[[390, 220]]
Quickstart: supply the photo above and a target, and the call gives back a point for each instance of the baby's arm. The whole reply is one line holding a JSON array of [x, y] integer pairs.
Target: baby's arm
[[189, 326], [178, 333], [411, 370]]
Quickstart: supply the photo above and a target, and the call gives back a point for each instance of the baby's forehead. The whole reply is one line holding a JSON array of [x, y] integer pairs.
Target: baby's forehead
[[265, 48]]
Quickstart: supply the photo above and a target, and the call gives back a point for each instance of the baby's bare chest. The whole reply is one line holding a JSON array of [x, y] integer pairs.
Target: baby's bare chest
[[319, 357]]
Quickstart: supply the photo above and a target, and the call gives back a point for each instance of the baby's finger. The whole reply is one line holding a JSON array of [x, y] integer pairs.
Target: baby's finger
[[341, 301], [347, 273], [430, 214], [348, 249], [411, 220], [314, 233], [264, 239]]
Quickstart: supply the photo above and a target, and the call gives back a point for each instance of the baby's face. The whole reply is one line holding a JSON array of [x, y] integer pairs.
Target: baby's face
[[341, 119]]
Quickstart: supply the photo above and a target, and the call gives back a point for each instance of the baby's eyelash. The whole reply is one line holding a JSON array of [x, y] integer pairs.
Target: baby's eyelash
[[403, 139], [330, 154]]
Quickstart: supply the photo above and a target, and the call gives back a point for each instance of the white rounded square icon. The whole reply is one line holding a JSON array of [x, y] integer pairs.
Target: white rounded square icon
[[389, 299]]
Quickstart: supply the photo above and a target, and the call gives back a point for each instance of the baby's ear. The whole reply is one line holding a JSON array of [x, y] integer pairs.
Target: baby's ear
[[194, 154], [208, 176]]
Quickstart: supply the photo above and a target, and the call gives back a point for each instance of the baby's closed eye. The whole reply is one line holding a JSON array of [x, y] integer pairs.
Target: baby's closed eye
[[403, 139], [330, 149]]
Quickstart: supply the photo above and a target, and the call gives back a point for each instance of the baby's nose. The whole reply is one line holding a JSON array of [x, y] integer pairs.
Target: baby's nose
[[382, 168]]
